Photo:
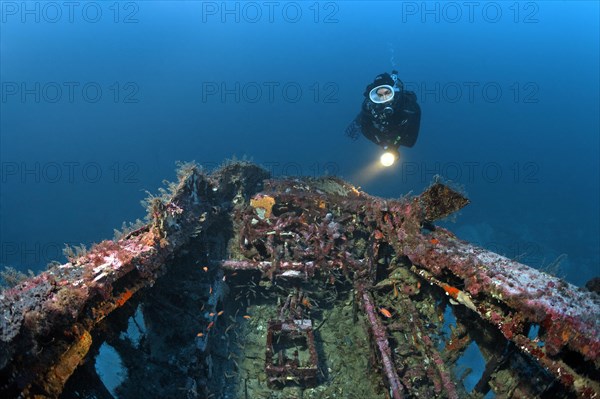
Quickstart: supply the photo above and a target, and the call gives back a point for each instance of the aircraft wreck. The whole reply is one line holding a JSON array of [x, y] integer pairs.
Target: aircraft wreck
[[244, 286]]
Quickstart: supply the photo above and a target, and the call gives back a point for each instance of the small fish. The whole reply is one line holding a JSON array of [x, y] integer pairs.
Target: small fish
[[220, 313], [434, 241], [211, 314], [210, 290], [200, 335], [306, 302], [212, 323], [247, 317], [395, 291], [224, 278], [205, 268], [385, 312], [451, 291]]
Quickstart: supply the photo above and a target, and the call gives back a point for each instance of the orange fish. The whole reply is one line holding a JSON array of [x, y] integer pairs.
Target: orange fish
[[247, 317], [199, 334], [205, 268], [306, 302], [211, 314], [385, 312], [210, 290], [212, 323], [220, 313], [434, 241], [124, 298], [453, 292]]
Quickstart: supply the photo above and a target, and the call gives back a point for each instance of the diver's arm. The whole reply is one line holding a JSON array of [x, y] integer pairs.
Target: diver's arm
[[366, 127]]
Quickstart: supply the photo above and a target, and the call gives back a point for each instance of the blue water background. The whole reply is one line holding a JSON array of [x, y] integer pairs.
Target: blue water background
[[74, 168]]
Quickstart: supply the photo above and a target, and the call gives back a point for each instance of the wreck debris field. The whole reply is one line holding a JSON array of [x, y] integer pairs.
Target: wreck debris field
[[239, 285]]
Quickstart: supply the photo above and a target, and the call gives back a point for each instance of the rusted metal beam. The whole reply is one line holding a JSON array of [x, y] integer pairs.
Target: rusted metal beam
[[378, 332], [568, 316], [45, 319]]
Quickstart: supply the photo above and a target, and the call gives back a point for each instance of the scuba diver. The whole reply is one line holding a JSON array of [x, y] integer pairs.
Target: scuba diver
[[390, 116]]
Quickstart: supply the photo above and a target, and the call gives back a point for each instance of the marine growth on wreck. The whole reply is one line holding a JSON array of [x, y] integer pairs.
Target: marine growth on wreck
[[243, 286]]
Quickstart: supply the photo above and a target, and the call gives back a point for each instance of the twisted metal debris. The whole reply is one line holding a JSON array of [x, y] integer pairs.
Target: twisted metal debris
[[327, 230]]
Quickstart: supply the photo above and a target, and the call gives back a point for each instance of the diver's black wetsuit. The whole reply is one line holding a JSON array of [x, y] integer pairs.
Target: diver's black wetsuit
[[392, 124]]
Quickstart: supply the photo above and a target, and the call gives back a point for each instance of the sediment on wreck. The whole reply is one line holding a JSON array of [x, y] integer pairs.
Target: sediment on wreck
[[237, 224]]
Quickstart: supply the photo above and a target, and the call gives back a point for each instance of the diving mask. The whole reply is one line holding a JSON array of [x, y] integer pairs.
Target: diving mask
[[381, 94]]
